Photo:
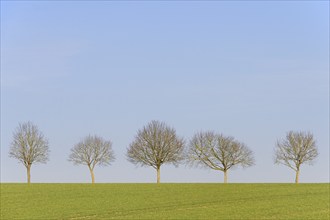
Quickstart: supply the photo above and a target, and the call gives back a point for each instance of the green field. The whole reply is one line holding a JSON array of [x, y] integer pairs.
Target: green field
[[165, 201]]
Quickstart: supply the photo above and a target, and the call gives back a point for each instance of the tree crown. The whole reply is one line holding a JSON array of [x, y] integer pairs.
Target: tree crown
[[29, 145], [295, 149], [218, 152], [155, 145], [92, 150]]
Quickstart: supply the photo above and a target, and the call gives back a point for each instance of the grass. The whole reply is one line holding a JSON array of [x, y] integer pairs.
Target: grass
[[165, 201]]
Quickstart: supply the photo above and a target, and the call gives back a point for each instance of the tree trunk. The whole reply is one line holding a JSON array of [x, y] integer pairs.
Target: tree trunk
[[297, 177], [92, 174], [225, 176], [28, 170], [158, 174]]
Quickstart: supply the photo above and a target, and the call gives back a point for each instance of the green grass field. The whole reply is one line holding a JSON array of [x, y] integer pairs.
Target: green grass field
[[165, 201]]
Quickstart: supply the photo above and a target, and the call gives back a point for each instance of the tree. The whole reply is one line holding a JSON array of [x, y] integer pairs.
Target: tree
[[154, 145], [29, 146], [297, 148], [218, 152], [92, 151]]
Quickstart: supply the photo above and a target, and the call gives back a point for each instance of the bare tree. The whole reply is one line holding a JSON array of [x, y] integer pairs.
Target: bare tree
[[92, 151], [297, 148], [154, 145], [218, 152], [29, 146]]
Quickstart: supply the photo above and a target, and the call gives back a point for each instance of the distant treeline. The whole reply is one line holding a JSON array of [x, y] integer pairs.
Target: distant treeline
[[157, 144]]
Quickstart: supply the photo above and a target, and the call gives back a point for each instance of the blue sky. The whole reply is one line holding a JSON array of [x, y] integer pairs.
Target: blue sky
[[253, 70]]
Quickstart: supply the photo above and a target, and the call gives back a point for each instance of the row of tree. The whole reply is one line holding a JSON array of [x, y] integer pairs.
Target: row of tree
[[157, 144]]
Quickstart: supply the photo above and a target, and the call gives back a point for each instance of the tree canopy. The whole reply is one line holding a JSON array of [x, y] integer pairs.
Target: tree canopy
[[29, 146], [296, 149], [218, 152], [92, 151], [154, 145]]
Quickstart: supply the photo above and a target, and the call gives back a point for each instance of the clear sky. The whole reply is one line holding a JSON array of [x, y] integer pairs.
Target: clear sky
[[250, 69]]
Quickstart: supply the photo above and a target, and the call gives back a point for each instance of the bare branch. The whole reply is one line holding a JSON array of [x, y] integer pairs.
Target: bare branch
[[297, 148], [29, 146], [218, 152], [92, 151], [155, 145]]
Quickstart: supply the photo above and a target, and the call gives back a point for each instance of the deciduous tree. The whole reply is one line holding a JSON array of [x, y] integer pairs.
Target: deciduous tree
[[296, 149], [29, 146], [154, 145], [218, 152], [92, 151]]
